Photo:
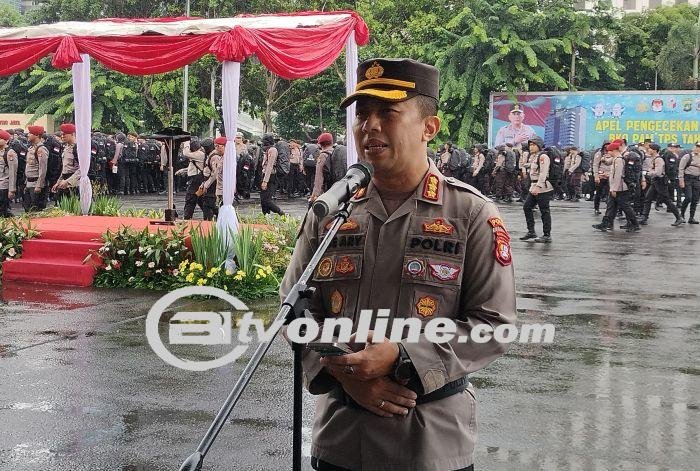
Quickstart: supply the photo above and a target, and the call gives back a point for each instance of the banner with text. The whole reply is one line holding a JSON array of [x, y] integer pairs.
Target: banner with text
[[586, 119]]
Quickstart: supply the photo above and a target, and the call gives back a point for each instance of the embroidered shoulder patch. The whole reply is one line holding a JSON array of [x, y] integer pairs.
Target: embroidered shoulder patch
[[325, 267], [444, 271], [502, 251], [344, 265]]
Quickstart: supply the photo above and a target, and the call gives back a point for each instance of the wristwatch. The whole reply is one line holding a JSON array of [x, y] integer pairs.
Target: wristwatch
[[404, 370]]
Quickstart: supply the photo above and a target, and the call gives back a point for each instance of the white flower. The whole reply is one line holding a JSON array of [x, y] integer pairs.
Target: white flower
[[108, 267], [176, 272], [131, 278], [138, 263], [0, 246], [159, 271], [121, 252], [141, 249], [151, 264], [114, 262], [11, 252]]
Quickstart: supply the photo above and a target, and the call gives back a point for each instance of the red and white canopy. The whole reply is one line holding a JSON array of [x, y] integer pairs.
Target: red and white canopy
[[292, 46]]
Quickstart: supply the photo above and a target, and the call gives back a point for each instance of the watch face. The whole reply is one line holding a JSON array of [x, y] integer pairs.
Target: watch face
[[403, 371]]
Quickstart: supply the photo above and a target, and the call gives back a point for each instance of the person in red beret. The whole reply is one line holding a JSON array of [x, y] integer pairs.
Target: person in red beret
[[325, 142], [70, 168], [36, 188], [620, 197], [8, 173]]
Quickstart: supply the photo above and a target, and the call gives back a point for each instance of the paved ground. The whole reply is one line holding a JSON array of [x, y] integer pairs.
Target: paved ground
[[618, 390]]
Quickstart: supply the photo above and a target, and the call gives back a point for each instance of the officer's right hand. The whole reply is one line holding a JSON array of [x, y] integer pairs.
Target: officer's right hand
[[394, 398], [37, 189], [681, 183]]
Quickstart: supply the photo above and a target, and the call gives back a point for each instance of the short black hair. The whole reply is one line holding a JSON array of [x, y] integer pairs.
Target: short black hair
[[427, 106], [654, 146]]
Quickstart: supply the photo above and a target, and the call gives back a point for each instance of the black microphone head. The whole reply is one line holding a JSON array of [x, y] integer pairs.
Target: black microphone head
[[365, 168], [321, 208]]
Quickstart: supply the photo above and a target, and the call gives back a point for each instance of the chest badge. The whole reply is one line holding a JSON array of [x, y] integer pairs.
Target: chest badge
[[337, 301], [344, 265], [426, 306], [415, 268], [325, 267], [349, 225], [444, 271], [438, 226]]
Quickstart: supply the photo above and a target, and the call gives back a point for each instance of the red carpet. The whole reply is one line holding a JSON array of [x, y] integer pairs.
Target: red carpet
[[56, 256]]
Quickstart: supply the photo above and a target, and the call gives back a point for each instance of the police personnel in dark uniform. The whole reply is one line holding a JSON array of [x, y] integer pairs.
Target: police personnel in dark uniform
[[424, 246]]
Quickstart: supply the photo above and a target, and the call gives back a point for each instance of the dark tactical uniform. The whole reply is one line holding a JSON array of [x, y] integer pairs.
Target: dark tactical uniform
[[689, 173], [659, 190]]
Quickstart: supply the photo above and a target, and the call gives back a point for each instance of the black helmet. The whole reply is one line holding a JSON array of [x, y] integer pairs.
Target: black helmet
[[537, 140], [120, 137], [268, 140], [208, 145]]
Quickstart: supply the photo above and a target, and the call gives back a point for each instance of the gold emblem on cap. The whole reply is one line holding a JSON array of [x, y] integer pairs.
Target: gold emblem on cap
[[375, 71]]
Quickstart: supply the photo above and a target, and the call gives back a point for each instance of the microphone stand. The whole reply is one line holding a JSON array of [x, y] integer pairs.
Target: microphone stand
[[295, 306]]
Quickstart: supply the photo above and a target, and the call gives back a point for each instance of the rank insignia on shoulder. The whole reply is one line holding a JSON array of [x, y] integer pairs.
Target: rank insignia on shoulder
[[325, 267], [415, 268], [431, 187], [438, 226], [499, 230], [426, 306], [444, 271], [337, 301], [344, 265]]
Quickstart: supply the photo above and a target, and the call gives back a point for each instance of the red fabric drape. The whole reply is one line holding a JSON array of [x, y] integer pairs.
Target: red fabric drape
[[288, 52]]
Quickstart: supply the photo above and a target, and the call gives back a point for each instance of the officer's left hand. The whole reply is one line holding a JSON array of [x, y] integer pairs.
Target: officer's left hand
[[374, 361], [37, 189]]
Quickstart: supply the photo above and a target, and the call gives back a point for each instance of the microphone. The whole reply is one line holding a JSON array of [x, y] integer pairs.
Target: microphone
[[358, 176]]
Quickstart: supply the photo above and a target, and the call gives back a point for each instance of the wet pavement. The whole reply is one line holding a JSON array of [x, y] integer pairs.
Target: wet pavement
[[619, 389]]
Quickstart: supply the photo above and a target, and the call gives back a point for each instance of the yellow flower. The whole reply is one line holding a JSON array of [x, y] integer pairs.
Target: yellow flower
[[268, 269], [229, 273], [240, 273], [190, 278], [225, 288], [239, 276], [183, 265], [201, 281], [257, 277]]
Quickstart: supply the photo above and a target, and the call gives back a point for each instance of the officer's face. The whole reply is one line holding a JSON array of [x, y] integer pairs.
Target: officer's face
[[516, 118], [220, 148], [3, 142], [533, 147], [392, 136]]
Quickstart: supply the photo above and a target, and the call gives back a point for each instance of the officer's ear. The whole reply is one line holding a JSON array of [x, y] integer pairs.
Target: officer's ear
[[431, 126]]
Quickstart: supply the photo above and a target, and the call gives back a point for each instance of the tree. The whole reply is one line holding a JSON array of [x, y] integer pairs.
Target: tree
[[679, 55], [9, 17]]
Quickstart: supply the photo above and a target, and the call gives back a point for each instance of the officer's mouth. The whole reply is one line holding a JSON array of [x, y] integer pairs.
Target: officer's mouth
[[375, 147]]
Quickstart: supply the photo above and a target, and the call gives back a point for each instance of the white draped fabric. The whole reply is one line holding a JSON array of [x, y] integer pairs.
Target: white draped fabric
[[82, 95], [227, 223], [350, 83]]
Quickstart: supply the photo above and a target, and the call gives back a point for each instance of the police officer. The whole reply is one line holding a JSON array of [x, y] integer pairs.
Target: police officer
[[659, 187], [601, 175], [36, 189], [8, 174], [619, 197], [268, 183], [194, 152], [575, 175], [423, 246], [129, 165], [540, 194], [689, 180], [69, 161], [244, 168], [211, 189]]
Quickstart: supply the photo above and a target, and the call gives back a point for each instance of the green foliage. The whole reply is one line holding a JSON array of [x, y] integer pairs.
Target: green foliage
[[676, 56], [14, 231], [9, 17], [209, 247], [70, 204], [105, 205]]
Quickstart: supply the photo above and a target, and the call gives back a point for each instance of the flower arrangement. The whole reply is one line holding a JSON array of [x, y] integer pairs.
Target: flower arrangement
[[13, 232]]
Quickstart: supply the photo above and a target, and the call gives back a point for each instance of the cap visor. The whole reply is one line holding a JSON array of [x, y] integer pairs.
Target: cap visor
[[385, 95]]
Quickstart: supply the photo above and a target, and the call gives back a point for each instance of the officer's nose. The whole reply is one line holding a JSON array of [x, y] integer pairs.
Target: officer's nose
[[371, 122]]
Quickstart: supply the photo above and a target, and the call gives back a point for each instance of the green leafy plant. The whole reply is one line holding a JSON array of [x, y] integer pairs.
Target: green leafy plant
[[105, 205], [209, 247], [70, 204], [13, 232]]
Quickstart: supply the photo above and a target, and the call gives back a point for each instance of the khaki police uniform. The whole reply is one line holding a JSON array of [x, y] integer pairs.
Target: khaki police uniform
[[8, 179], [539, 172], [35, 174], [443, 253]]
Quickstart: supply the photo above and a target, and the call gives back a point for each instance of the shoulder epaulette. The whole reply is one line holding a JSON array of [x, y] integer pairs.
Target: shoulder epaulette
[[452, 181]]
